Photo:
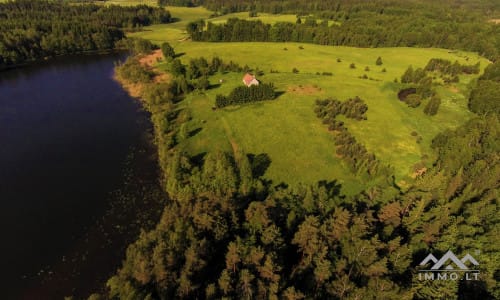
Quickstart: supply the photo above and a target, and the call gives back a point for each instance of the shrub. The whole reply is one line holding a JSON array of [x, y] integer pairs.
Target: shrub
[[379, 61], [352, 66], [167, 50]]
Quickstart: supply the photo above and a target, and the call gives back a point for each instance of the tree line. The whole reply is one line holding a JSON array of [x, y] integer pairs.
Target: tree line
[[243, 94], [353, 153], [32, 30], [367, 25]]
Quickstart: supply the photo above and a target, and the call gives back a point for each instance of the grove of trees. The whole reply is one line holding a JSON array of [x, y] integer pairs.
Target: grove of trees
[[243, 94]]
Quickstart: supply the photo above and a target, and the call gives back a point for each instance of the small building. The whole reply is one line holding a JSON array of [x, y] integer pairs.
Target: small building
[[250, 80]]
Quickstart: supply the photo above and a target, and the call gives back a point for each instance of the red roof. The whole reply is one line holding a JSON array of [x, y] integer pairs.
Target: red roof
[[248, 78]]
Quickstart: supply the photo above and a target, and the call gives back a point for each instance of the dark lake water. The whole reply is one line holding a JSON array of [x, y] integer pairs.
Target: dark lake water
[[78, 177]]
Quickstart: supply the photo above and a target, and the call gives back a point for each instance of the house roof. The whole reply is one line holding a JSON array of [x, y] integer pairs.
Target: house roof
[[248, 78]]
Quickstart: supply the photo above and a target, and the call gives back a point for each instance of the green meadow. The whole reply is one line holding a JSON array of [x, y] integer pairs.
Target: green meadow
[[299, 145]]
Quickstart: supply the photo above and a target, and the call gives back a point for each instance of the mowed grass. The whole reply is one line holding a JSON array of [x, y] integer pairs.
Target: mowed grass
[[300, 147]]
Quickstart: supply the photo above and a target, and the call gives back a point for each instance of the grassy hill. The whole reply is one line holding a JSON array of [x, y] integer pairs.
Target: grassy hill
[[300, 147]]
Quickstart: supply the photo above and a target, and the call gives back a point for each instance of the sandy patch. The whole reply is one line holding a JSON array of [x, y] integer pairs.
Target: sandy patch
[[496, 21], [304, 89], [454, 89], [151, 59]]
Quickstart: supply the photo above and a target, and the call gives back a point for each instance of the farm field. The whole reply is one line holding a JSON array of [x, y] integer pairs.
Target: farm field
[[299, 145]]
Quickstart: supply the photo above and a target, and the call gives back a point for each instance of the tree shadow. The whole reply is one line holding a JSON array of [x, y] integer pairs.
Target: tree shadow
[[177, 55], [278, 94], [332, 187], [198, 159], [195, 132], [259, 163], [213, 86]]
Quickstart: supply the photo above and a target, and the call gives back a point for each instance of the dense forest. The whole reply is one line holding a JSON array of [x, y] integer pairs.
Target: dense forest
[[35, 29], [366, 24], [229, 233]]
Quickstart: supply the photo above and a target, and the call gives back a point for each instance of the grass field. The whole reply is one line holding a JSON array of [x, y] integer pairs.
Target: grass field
[[300, 147]]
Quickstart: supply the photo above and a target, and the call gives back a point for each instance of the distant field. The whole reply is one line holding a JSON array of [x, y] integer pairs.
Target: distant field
[[300, 147]]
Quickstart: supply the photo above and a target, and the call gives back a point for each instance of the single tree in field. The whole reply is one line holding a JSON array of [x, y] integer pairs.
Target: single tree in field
[[379, 61], [167, 50]]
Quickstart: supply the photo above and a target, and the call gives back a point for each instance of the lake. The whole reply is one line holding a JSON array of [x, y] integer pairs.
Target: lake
[[78, 176]]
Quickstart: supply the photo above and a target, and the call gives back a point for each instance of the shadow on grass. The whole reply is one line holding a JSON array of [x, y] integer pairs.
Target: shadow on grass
[[179, 54], [195, 132], [198, 159], [259, 163]]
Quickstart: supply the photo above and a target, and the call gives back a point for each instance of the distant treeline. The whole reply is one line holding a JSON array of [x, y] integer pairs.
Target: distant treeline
[[243, 94], [368, 29], [34, 29]]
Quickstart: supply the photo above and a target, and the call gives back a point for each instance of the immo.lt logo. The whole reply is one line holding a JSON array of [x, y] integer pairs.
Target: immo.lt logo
[[449, 267]]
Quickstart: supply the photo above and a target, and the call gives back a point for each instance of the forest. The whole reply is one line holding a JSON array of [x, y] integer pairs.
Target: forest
[[376, 24], [229, 233], [33, 30]]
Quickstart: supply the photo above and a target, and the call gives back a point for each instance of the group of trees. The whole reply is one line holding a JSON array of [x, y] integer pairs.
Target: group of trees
[[485, 96], [422, 84], [353, 153], [31, 30], [374, 24], [243, 94]]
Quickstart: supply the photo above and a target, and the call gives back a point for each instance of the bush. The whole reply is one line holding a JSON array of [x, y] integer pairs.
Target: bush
[[413, 100], [295, 70], [432, 107], [167, 50], [352, 66], [379, 61]]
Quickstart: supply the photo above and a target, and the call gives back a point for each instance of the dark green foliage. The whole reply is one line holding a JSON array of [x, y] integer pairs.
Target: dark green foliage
[[132, 71], [34, 29], [432, 107], [362, 26], [445, 66], [379, 62], [167, 50], [295, 70], [352, 66], [413, 100], [353, 153], [185, 3], [485, 97], [136, 45], [243, 94], [492, 72]]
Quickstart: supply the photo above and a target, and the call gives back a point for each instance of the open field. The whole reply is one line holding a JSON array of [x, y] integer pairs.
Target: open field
[[300, 147]]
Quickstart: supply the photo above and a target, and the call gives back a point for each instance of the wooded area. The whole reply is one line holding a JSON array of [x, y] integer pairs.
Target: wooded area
[[32, 30]]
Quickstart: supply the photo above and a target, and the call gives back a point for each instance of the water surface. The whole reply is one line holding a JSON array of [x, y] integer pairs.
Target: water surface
[[76, 170]]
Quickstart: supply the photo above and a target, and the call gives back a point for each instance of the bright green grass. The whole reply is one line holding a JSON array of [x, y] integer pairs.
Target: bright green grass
[[265, 18], [300, 147]]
